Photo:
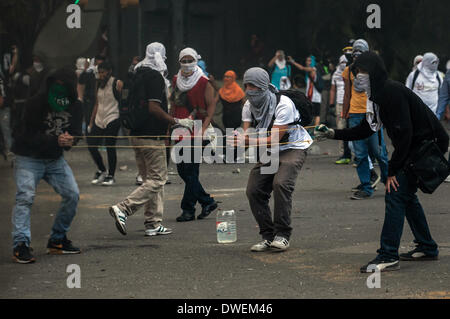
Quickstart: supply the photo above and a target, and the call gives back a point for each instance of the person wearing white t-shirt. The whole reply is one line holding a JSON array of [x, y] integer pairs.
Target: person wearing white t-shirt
[[266, 110], [426, 81]]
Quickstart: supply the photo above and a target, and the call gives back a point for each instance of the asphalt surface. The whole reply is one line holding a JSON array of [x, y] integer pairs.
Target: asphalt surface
[[333, 236]]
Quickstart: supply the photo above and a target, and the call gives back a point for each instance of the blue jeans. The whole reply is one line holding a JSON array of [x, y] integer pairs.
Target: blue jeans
[[193, 190], [401, 203], [369, 146], [28, 172]]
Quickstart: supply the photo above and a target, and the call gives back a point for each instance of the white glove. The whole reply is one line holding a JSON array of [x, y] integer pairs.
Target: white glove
[[188, 123], [322, 132], [89, 129], [210, 135]]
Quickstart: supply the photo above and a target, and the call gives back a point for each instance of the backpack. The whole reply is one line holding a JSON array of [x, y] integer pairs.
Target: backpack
[[302, 104], [132, 106]]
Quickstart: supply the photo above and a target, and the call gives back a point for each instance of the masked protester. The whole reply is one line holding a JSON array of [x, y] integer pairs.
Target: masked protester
[[267, 110], [105, 123], [51, 120], [355, 109], [408, 122], [149, 147], [193, 98], [426, 81]]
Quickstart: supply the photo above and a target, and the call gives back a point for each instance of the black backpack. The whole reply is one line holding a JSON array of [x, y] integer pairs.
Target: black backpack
[[132, 106], [302, 104]]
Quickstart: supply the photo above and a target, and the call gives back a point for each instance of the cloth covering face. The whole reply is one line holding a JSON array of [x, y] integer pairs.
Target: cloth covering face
[[185, 83], [155, 57]]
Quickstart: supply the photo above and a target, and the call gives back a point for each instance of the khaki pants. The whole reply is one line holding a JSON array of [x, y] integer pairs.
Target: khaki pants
[[281, 184], [152, 167]]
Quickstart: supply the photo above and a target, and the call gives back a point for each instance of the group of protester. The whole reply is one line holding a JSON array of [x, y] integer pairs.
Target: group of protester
[[367, 100]]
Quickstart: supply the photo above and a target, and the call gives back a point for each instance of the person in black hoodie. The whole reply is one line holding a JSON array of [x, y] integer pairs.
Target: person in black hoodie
[[408, 122], [51, 120]]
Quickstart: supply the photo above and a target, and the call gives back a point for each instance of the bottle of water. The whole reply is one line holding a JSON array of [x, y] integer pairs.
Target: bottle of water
[[226, 227]]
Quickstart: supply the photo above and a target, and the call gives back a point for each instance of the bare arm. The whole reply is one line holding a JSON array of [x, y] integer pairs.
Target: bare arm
[[210, 106], [155, 109], [272, 61], [94, 114], [347, 97], [80, 90], [332, 94]]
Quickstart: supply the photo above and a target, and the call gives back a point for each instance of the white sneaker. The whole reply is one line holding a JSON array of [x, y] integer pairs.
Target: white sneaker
[[280, 243], [161, 230], [262, 246], [120, 217], [447, 180], [139, 180], [99, 177]]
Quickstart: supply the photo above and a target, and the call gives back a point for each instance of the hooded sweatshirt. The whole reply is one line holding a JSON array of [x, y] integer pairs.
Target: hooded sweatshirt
[[408, 121], [37, 135]]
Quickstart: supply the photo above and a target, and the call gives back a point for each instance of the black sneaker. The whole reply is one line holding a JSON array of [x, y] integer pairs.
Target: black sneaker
[[417, 255], [22, 254], [360, 195], [61, 247], [186, 217], [381, 264], [360, 188], [208, 209], [109, 181]]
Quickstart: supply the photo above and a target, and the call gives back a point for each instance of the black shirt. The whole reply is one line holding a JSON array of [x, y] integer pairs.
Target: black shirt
[[88, 79], [152, 88]]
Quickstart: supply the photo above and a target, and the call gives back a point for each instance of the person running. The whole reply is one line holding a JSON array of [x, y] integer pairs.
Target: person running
[[150, 85], [426, 81], [355, 108], [193, 97], [265, 103], [408, 122], [105, 124], [337, 96], [311, 91], [280, 71], [51, 120]]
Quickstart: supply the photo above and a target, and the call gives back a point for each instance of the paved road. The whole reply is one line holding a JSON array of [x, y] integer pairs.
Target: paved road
[[333, 236]]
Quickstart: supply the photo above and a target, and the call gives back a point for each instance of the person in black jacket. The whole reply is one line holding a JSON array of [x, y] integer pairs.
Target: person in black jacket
[[51, 120], [408, 122]]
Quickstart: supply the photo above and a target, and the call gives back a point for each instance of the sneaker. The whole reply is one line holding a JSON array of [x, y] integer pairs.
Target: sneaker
[[22, 254], [120, 218], [374, 179], [161, 230], [381, 265], [417, 255], [262, 246], [109, 181], [360, 188], [139, 180], [99, 177], [280, 243], [208, 209], [186, 217], [61, 247], [359, 195], [447, 180], [343, 161]]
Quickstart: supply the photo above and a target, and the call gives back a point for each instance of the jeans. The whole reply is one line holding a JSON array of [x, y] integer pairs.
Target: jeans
[[401, 203], [193, 189], [369, 146], [57, 173]]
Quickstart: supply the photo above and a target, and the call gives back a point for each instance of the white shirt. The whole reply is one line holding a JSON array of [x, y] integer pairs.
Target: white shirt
[[426, 89], [285, 113], [338, 81]]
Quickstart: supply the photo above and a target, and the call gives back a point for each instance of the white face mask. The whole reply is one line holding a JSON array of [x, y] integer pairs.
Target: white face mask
[[362, 83], [188, 69], [38, 66]]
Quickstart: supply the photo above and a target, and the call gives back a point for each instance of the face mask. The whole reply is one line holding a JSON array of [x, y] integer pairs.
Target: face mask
[[434, 67], [342, 66], [188, 69], [58, 97], [362, 83], [349, 58], [38, 66], [256, 97]]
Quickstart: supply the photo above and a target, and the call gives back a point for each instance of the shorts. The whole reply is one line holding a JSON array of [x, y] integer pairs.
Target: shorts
[[316, 109]]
